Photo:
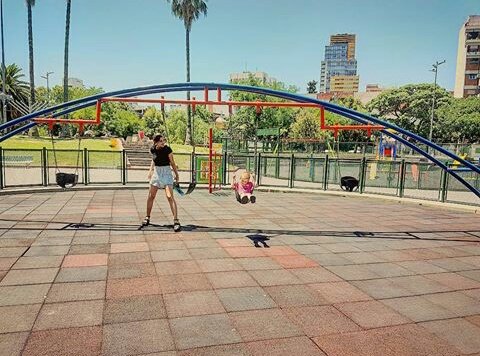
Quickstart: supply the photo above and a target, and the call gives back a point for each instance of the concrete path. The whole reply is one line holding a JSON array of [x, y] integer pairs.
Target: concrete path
[[340, 276]]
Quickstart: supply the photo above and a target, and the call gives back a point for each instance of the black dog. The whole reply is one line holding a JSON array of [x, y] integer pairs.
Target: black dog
[[349, 183]]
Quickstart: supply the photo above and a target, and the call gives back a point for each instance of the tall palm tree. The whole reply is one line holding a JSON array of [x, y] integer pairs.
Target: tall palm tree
[[30, 4], [188, 11], [65, 63], [14, 85]]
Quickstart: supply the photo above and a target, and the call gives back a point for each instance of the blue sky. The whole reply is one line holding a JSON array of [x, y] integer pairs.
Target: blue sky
[[118, 44]]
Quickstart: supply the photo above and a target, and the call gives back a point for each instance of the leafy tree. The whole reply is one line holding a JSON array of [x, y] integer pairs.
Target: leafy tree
[[153, 122], [410, 106], [65, 63], [30, 4], [306, 124], [351, 103], [122, 123], [312, 87], [243, 123], [177, 125], [14, 86], [188, 11], [56, 93], [459, 121]]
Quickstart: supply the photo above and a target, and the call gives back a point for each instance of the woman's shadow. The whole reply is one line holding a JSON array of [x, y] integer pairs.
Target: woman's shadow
[[259, 239]]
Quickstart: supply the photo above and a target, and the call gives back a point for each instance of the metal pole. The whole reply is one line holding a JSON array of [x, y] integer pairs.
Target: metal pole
[[4, 106], [435, 70], [48, 86]]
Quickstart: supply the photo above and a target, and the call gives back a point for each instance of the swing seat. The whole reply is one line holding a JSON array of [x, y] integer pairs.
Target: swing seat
[[180, 191], [191, 188], [348, 183], [66, 180]]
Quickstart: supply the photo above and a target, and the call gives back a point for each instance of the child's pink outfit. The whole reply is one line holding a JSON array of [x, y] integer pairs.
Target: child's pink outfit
[[244, 188]]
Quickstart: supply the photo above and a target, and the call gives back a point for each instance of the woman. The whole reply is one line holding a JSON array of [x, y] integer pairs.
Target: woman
[[160, 176]]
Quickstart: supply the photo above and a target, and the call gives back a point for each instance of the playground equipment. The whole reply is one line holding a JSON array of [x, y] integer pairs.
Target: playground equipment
[[387, 147], [366, 122]]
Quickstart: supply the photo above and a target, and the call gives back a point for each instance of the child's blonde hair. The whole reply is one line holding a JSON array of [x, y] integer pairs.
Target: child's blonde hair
[[245, 175]]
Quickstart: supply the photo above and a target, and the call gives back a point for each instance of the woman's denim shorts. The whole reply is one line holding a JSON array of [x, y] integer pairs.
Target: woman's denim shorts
[[162, 176]]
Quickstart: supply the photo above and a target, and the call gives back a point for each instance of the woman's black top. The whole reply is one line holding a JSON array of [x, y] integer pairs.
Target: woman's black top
[[160, 155]]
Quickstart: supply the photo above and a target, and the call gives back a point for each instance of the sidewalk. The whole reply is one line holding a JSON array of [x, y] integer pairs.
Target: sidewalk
[[340, 276]]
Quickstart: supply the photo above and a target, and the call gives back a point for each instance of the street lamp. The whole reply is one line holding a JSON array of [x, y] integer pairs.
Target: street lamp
[[48, 87], [435, 70], [4, 74]]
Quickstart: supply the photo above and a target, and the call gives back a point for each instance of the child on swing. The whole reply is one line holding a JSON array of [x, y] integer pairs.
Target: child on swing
[[244, 187]]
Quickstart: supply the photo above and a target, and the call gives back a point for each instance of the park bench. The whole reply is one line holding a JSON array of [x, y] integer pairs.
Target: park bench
[[17, 160]]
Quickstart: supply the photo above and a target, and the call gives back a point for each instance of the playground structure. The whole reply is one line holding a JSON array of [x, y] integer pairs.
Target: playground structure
[[387, 147], [366, 122]]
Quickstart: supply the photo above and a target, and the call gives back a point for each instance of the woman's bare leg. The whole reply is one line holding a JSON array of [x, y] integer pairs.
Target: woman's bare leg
[[171, 201], [152, 193]]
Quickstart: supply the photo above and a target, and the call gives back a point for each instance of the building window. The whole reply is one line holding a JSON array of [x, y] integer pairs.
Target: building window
[[473, 35], [472, 76]]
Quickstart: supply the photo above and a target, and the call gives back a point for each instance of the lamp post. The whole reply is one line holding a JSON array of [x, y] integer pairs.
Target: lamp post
[[435, 70], [4, 74], [48, 87]]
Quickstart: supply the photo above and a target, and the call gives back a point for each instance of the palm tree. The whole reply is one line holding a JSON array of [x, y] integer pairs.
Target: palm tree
[[65, 63], [188, 11], [14, 85], [30, 4]]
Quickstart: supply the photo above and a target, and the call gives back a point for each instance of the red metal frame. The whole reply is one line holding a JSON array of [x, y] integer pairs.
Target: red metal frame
[[335, 128], [257, 104], [80, 122]]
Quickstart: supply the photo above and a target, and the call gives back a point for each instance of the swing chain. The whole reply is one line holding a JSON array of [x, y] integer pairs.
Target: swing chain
[[55, 152]]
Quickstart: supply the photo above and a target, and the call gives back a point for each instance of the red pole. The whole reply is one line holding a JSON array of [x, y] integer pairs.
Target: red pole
[[210, 157], [99, 110]]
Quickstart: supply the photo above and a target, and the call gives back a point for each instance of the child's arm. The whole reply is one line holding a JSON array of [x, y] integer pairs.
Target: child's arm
[[252, 179]]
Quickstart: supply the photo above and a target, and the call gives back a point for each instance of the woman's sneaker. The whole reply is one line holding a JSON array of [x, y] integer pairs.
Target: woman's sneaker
[[244, 200], [253, 199], [176, 225], [146, 221]]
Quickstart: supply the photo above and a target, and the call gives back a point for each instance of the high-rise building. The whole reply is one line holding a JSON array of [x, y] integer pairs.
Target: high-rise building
[[339, 68], [467, 78]]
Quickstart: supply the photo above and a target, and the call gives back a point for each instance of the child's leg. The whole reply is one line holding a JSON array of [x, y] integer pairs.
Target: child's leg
[[237, 195], [243, 198]]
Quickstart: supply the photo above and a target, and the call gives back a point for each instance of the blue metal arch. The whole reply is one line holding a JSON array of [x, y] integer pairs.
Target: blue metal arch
[[74, 105]]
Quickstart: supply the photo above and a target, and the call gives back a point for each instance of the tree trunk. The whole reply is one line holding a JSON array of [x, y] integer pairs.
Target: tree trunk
[[65, 62], [30, 55], [189, 136], [34, 130]]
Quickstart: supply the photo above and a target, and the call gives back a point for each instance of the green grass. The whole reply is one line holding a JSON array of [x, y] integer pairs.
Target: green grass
[[69, 144], [109, 157]]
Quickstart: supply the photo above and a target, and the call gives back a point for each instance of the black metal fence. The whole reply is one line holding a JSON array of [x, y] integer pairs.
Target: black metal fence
[[422, 180]]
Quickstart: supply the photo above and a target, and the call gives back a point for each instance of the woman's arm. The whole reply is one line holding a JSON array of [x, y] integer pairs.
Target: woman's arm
[[173, 165], [150, 172]]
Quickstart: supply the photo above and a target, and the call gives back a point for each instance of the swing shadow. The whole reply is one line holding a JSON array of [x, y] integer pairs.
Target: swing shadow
[[256, 235]]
